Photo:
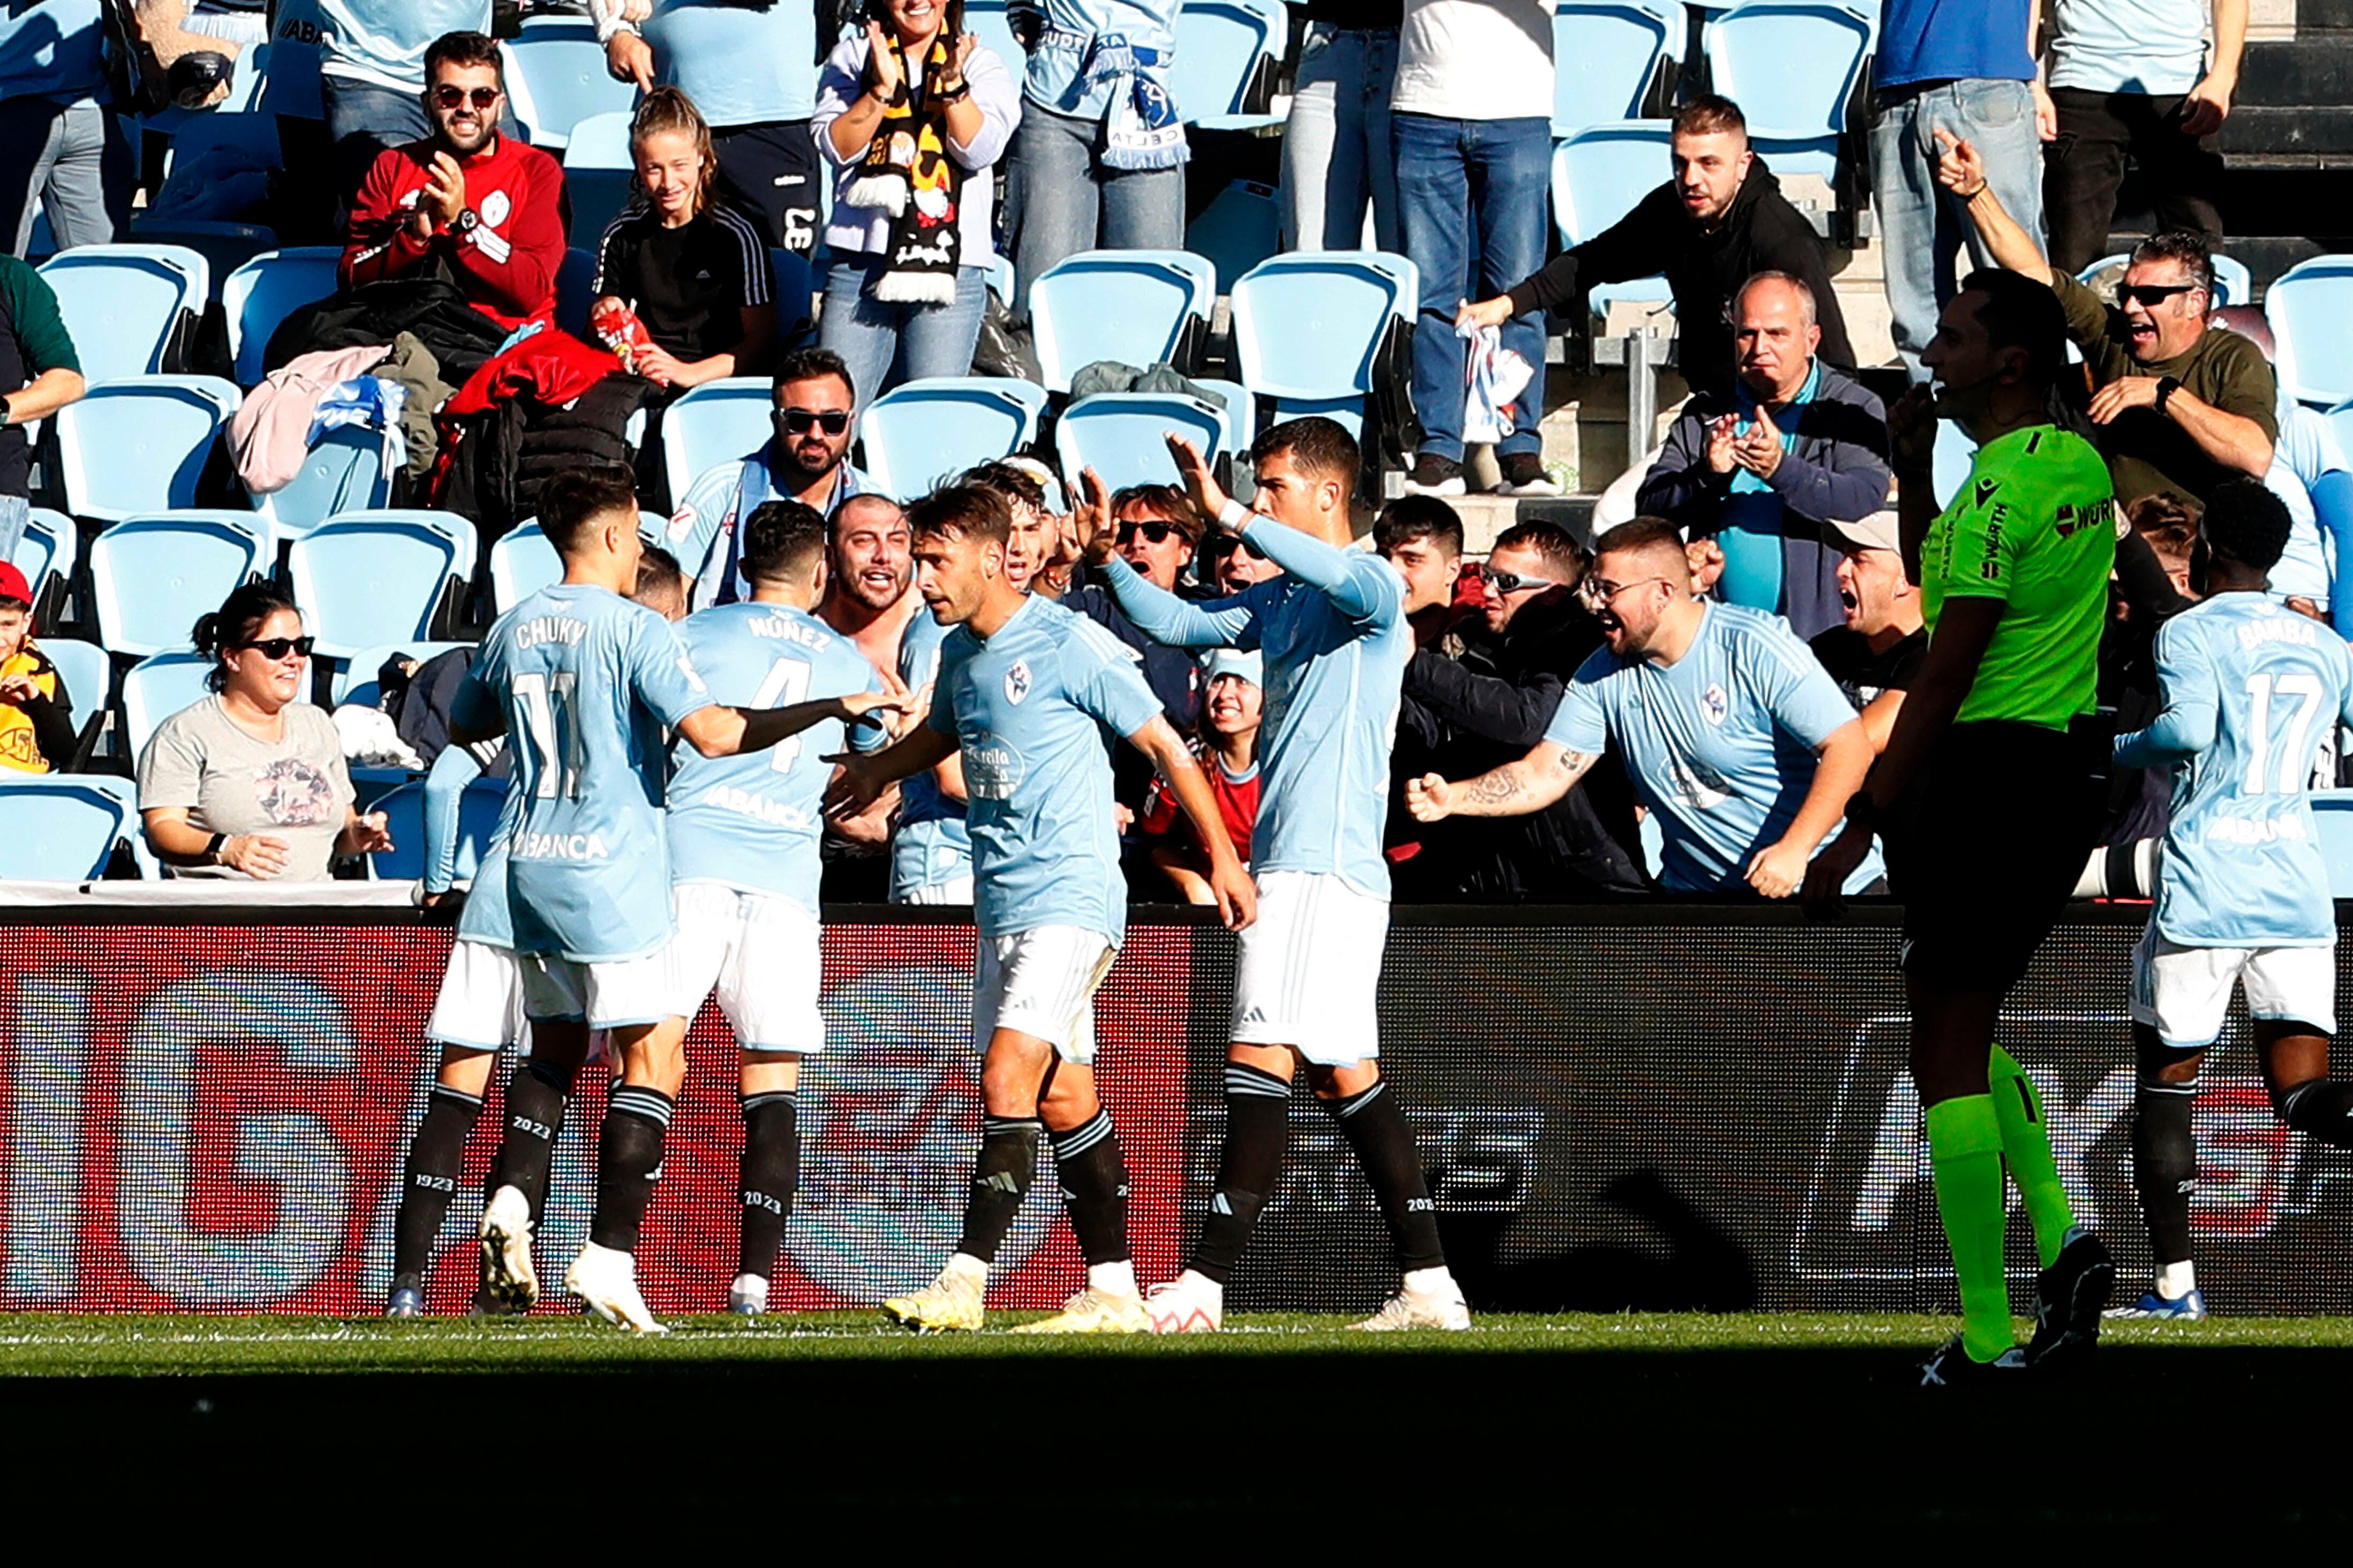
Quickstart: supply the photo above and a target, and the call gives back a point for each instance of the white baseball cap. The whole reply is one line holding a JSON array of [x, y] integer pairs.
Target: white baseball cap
[[1234, 661], [1877, 531]]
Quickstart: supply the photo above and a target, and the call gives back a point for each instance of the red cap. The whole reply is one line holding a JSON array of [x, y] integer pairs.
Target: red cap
[[13, 584]]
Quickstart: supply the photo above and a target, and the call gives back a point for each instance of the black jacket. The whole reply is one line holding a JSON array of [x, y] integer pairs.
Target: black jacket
[[1761, 233]]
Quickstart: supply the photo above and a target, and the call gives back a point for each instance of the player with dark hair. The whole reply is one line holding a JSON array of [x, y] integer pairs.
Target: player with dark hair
[[2250, 690], [585, 679], [1332, 632], [1025, 689], [1996, 744]]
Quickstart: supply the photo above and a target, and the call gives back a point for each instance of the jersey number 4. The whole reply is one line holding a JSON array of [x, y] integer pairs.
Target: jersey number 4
[[788, 683], [2295, 758]]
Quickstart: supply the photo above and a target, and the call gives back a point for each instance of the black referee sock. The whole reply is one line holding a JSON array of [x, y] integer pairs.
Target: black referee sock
[[1093, 1176], [534, 1110], [628, 1163], [1382, 1140], [771, 1175], [435, 1159], [1258, 1119], [2322, 1109], [2165, 1164], [1008, 1162]]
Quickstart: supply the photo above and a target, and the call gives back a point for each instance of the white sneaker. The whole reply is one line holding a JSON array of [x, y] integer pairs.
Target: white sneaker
[[508, 1275], [1430, 1298], [748, 1297], [1093, 1311], [607, 1280], [951, 1303], [1192, 1304]]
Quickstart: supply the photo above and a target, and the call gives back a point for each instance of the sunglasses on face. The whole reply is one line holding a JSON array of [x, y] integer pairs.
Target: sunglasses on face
[[457, 97], [1154, 531], [2152, 295], [279, 647], [1512, 581], [1598, 593], [801, 421]]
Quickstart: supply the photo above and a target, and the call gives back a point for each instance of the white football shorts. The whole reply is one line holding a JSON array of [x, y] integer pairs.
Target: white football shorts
[[1041, 981], [612, 993], [2183, 993], [954, 890], [480, 1006], [1309, 970], [760, 953]]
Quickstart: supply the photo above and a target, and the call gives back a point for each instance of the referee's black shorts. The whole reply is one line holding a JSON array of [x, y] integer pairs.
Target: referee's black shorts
[[1988, 844]]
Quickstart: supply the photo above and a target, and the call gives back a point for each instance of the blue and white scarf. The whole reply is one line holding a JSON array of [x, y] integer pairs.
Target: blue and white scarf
[[1141, 128]]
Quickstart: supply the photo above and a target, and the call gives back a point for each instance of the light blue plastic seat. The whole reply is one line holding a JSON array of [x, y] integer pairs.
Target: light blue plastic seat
[[1606, 54], [597, 170], [151, 576], [122, 303], [349, 470], [1223, 47], [62, 827], [478, 825], [715, 422], [140, 445], [355, 677], [1600, 174], [522, 563], [1240, 411], [987, 20], [1241, 227], [921, 433], [51, 546], [1791, 66], [1308, 327], [1122, 435], [2234, 284], [366, 579], [156, 687], [88, 674], [556, 78], [2310, 308], [574, 294], [267, 289], [225, 247], [1131, 306], [2332, 813], [251, 140]]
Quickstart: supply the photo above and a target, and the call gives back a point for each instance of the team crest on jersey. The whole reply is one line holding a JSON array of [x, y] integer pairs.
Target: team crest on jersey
[[1017, 682], [495, 208], [1713, 705]]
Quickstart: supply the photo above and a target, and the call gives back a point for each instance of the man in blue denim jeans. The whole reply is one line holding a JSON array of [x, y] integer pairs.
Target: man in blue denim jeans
[[1471, 121], [61, 144], [1336, 158], [1966, 67]]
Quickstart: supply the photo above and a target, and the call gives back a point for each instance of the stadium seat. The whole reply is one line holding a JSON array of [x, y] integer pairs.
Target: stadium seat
[[1606, 54], [2310, 308], [715, 422], [225, 247], [156, 687], [1002, 278], [89, 677], [573, 291], [1239, 229], [251, 141], [556, 78], [478, 824], [596, 175], [1131, 306], [522, 563], [1121, 435], [2332, 813], [1600, 174], [2340, 419], [355, 678], [62, 827], [1240, 411], [1308, 327], [921, 432], [51, 546], [124, 304], [366, 579], [987, 20], [1791, 66], [349, 470], [140, 445], [265, 292], [1226, 53], [151, 577], [2234, 284]]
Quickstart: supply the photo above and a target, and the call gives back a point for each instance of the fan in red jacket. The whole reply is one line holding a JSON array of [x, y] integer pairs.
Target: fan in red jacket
[[466, 203]]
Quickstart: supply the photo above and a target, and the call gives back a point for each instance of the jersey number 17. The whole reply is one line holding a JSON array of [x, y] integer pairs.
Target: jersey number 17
[[2293, 765]]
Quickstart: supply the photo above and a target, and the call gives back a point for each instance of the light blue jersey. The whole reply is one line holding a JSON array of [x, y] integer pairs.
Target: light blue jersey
[[1332, 631], [702, 535], [752, 822], [1721, 743], [384, 41], [2250, 690], [485, 918], [931, 846], [585, 680], [1025, 706], [742, 65]]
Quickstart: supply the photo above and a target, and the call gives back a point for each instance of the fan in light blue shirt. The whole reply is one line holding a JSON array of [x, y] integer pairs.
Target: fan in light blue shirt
[[931, 847]]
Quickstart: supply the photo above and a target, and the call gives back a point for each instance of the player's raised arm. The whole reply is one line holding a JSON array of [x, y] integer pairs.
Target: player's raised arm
[[1341, 575], [1229, 880], [1163, 616], [1515, 789], [719, 730], [864, 776]]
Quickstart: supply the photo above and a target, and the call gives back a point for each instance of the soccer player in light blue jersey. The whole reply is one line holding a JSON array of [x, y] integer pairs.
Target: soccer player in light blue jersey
[[1025, 691], [1333, 633], [931, 851], [585, 681], [743, 834], [2252, 689]]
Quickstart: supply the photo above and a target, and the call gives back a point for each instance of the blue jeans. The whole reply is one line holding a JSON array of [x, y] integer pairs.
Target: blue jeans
[[873, 336], [76, 161], [1335, 145], [362, 120], [16, 517], [1461, 181], [1061, 198], [1922, 226]]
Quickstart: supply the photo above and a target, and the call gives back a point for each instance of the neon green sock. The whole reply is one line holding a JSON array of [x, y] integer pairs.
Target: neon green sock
[[2026, 1146], [1965, 1151]]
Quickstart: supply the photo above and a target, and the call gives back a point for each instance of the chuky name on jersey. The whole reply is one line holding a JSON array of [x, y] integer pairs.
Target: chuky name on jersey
[[547, 629]]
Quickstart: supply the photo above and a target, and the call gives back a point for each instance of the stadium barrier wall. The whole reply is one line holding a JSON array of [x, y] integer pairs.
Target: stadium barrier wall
[[205, 1107]]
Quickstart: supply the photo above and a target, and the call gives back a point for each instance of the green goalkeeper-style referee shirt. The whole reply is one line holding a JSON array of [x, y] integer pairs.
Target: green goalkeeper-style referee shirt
[[2034, 527]]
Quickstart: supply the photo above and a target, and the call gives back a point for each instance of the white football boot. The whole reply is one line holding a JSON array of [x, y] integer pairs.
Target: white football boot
[[1192, 1304], [607, 1281], [952, 1302], [507, 1277], [1093, 1311], [1427, 1298]]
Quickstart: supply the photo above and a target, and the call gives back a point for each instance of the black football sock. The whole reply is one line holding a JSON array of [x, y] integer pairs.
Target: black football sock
[[1093, 1176], [534, 1112], [1382, 1140], [628, 1163], [2165, 1164], [771, 1174], [2320, 1109], [1258, 1119], [435, 1158], [1008, 1162]]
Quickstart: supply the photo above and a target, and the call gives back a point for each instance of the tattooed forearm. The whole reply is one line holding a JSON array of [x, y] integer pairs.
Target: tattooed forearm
[[1488, 792]]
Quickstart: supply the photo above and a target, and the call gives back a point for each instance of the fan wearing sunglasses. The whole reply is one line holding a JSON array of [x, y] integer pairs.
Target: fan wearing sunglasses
[[250, 780], [465, 204], [2179, 408]]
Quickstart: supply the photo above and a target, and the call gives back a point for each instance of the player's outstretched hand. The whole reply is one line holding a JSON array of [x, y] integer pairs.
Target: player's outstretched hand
[[1236, 893], [1430, 798], [858, 704], [854, 787], [1091, 521], [1199, 486]]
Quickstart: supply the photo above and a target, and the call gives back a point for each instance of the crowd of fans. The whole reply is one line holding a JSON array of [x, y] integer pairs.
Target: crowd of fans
[[1422, 126]]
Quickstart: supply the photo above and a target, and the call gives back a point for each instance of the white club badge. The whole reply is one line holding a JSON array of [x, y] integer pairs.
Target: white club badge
[[495, 208], [1017, 682], [1713, 705]]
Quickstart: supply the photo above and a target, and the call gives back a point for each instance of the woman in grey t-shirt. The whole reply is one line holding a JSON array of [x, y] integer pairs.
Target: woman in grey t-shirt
[[250, 780]]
